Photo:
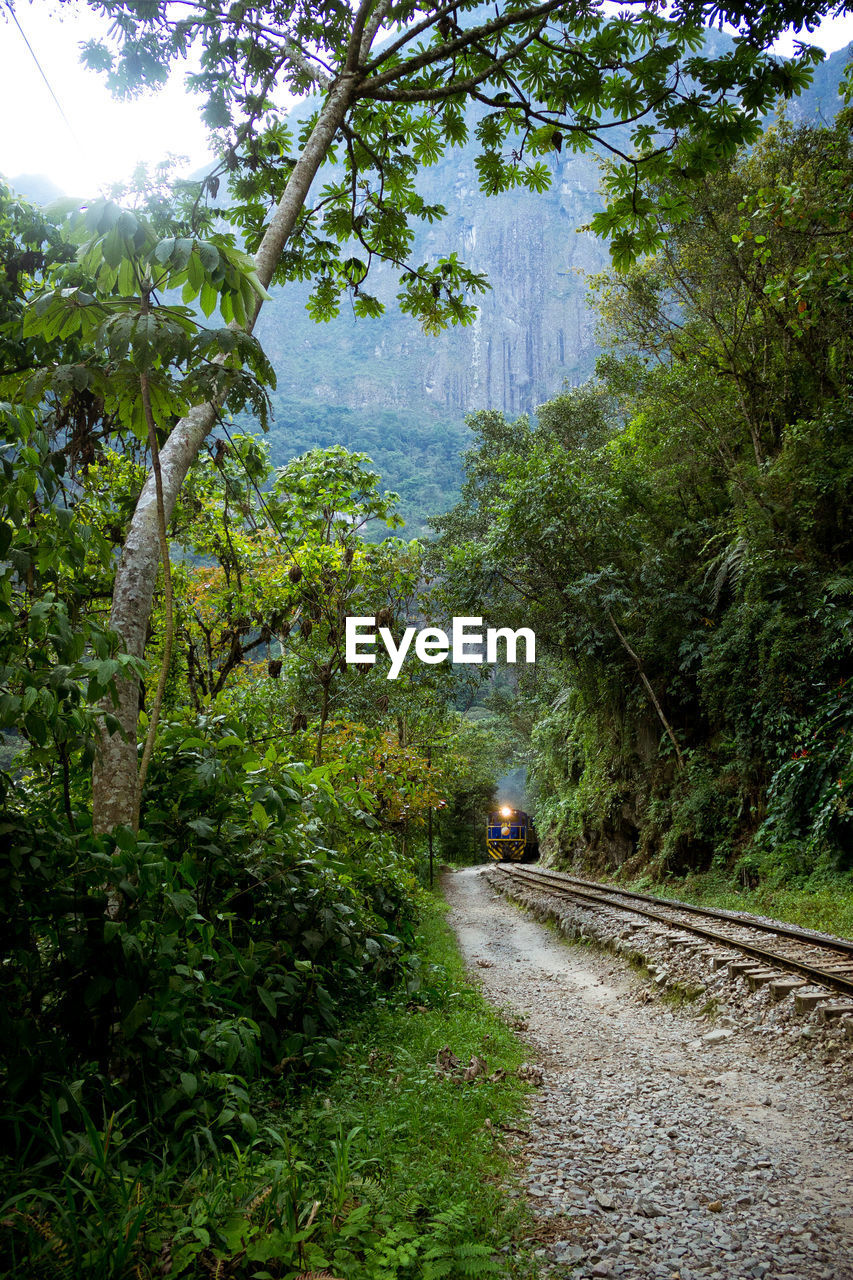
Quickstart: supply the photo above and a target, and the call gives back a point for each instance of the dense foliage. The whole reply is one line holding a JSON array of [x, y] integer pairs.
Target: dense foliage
[[185, 935], [390, 88], [161, 984], [418, 459], [679, 535]]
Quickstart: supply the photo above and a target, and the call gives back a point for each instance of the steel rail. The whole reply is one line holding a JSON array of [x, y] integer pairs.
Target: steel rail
[[779, 930], [770, 958]]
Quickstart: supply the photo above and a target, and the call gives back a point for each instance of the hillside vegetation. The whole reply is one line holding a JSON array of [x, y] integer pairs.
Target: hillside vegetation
[[225, 985], [679, 532]]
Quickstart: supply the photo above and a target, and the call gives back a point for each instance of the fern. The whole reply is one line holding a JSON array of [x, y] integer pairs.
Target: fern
[[54, 1263], [452, 1254], [468, 1258], [839, 585], [728, 568]]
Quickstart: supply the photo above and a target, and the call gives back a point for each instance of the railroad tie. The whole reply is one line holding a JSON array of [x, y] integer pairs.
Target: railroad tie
[[721, 959], [784, 985], [760, 977], [805, 1001], [739, 967], [829, 1012]]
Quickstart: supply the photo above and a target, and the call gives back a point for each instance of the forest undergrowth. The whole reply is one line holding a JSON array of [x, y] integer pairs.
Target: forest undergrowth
[[383, 1168]]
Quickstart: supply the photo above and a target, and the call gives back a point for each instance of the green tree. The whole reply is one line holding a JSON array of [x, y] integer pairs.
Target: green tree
[[390, 84], [57, 658], [292, 563], [679, 536], [141, 359]]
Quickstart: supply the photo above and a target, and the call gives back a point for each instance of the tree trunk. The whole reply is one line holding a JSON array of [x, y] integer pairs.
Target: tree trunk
[[324, 715], [649, 690], [115, 772]]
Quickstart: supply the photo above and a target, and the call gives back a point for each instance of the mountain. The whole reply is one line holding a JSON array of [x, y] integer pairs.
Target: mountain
[[383, 387], [36, 187], [533, 328], [822, 101]]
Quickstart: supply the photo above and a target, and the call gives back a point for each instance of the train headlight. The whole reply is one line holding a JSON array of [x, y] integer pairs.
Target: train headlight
[[506, 812]]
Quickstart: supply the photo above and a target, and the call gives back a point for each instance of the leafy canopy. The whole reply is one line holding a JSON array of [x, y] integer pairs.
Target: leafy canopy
[[115, 299], [688, 519], [646, 87]]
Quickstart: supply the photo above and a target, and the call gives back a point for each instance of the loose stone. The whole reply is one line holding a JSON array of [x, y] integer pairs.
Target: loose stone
[[668, 1150]]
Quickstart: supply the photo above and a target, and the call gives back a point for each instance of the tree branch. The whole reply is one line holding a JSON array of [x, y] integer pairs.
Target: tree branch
[[167, 589]]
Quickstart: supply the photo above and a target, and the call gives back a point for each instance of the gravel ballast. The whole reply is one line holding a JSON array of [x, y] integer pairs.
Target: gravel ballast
[[664, 1143]]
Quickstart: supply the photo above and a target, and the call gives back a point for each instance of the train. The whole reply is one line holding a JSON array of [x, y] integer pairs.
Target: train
[[511, 836]]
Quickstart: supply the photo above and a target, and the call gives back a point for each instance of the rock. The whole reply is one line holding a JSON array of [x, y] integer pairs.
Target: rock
[[640, 1152], [565, 1252], [717, 1036], [649, 1209]]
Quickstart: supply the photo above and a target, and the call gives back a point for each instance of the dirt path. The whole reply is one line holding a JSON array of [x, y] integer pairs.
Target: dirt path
[[651, 1154]]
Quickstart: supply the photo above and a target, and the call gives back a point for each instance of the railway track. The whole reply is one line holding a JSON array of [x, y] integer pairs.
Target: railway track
[[771, 952]]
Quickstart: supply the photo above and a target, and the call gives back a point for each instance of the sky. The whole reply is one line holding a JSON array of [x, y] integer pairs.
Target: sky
[[101, 140]]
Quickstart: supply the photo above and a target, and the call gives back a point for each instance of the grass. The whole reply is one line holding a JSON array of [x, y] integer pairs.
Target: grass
[[435, 1143], [679, 996], [386, 1171], [826, 905]]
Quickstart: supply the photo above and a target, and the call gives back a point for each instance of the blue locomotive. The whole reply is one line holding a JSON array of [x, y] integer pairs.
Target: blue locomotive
[[511, 836]]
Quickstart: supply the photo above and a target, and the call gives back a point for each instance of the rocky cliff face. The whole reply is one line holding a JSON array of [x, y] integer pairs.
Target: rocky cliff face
[[533, 329]]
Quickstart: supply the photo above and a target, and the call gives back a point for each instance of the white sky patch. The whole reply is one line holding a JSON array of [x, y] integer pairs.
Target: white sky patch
[[831, 35], [107, 138]]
